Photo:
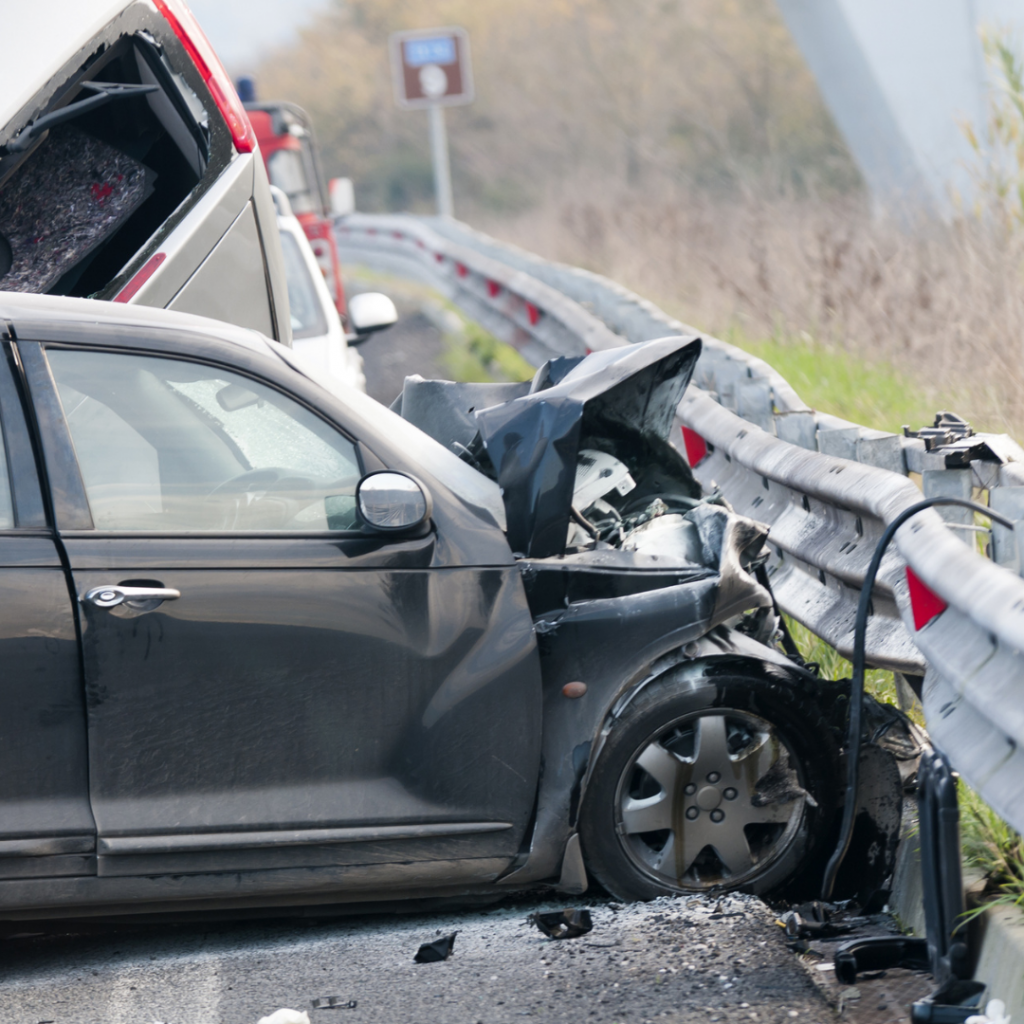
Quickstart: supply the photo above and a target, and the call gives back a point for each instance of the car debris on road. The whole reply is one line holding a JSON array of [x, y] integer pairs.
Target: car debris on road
[[334, 1003], [563, 924], [436, 951]]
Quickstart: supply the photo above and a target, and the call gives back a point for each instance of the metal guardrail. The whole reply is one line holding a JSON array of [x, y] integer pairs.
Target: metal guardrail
[[826, 487]]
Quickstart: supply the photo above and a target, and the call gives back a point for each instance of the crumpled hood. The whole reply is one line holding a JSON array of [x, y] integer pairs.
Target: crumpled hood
[[629, 394]]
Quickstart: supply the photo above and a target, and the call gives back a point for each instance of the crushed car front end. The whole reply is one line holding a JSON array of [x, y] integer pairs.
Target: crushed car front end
[[683, 750]]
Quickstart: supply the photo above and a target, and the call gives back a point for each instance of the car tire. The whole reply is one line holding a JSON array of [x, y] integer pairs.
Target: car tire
[[710, 781]]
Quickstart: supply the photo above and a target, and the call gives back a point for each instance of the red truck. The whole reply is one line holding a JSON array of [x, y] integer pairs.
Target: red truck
[[288, 144]]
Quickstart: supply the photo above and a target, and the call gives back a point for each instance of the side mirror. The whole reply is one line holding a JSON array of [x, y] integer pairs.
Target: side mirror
[[390, 501], [369, 312], [342, 196]]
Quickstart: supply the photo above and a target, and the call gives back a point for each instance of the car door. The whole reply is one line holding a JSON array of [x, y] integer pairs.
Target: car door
[[268, 685], [46, 824]]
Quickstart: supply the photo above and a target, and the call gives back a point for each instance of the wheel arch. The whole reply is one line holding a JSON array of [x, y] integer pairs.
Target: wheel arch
[[574, 729]]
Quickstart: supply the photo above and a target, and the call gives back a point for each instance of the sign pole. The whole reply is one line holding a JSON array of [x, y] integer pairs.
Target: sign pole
[[442, 168], [431, 70]]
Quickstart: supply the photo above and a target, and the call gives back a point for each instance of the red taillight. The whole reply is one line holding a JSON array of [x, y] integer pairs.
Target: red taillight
[[695, 445], [187, 29], [322, 251], [145, 272], [924, 602]]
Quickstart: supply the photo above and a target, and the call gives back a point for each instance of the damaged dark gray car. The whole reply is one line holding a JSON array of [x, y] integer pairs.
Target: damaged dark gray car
[[270, 644]]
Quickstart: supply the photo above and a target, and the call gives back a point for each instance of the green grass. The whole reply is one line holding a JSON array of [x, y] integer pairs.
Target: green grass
[[835, 381], [878, 683], [474, 355], [992, 847]]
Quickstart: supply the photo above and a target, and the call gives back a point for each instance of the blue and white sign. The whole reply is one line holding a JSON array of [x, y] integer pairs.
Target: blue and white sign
[[431, 68], [437, 50]]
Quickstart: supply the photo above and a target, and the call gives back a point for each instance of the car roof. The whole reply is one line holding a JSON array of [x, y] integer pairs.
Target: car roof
[[29, 311], [39, 39]]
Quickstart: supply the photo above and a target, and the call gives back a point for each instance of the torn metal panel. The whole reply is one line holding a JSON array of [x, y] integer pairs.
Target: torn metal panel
[[625, 398]]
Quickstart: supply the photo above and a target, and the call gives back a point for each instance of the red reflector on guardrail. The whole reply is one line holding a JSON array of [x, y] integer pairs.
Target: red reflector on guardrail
[[493, 288], [696, 447], [461, 269], [924, 602], [533, 313]]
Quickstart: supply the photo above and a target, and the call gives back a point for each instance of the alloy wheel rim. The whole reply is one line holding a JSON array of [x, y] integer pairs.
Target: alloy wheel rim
[[710, 800]]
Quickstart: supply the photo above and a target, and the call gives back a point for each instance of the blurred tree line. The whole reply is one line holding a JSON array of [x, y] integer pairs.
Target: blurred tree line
[[623, 94]]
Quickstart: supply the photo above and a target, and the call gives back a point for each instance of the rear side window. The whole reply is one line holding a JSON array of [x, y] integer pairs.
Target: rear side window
[[170, 446], [307, 312], [101, 173]]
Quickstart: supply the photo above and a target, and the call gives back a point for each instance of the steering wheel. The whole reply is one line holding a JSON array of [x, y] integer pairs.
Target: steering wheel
[[284, 495], [251, 480]]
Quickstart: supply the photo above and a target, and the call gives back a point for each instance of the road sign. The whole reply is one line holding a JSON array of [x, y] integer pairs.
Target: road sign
[[431, 68]]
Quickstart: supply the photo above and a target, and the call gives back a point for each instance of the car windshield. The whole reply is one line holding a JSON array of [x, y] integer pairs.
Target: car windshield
[[467, 483], [308, 319]]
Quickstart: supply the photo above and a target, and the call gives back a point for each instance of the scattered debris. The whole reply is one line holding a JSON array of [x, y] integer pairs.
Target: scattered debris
[[285, 1017], [563, 924], [436, 951], [995, 1013], [812, 921], [334, 1003], [847, 996]]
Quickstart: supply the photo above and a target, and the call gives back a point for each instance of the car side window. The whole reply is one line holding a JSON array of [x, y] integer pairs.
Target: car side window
[[167, 445]]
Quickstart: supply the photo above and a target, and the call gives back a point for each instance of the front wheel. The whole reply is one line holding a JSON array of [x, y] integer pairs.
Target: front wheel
[[710, 782]]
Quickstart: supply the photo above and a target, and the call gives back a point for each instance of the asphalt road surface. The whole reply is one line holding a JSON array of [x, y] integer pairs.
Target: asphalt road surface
[[684, 960], [413, 345]]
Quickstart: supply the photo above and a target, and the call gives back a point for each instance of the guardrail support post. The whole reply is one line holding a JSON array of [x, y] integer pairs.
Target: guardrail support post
[[1006, 546], [951, 483]]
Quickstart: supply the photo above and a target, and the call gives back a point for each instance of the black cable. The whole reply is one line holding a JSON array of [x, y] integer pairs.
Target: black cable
[[102, 94], [857, 682]]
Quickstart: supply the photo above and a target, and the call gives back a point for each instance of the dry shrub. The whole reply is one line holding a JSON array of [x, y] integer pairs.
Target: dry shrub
[[710, 90], [942, 303]]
